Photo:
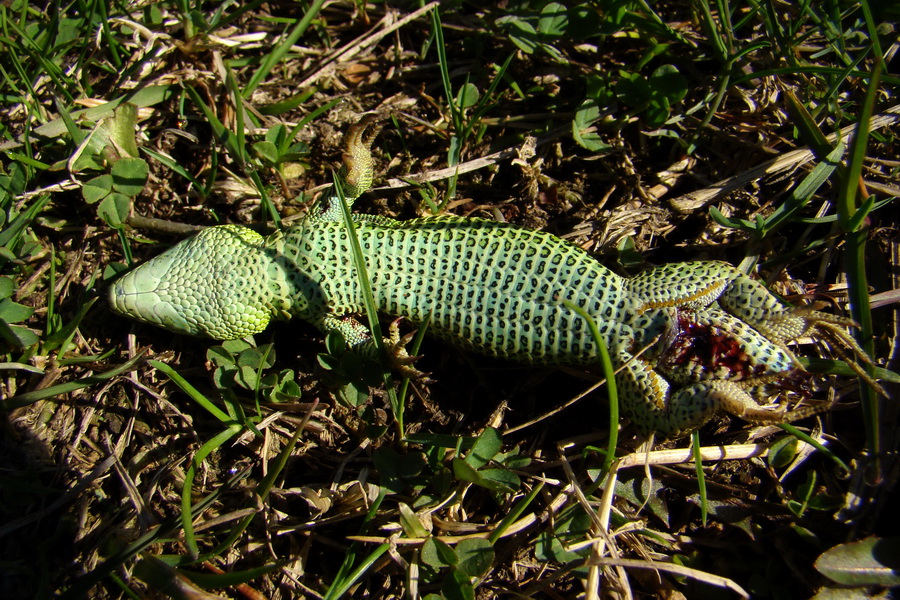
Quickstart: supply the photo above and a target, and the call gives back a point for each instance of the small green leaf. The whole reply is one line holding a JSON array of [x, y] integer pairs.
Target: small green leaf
[[554, 20], [438, 554], [462, 470], [628, 255], [410, 522], [96, 189], [335, 343], [130, 175], [13, 312], [247, 377], [783, 452], [468, 96], [153, 16], [502, 481], [93, 149], [667, 81], [17, 336], [825, 502], [396, 469], [458, 586], [657, 113], [219, 356], [114, 209], [583, 130], [554, 53], [251, 357], [276, 134], [198, 20], [113, 270], [872, 561], [486, 447], [267, 152], [353, 394], [632, 89], [724, 221], [223, 377], [806, 489], [640, 491], [268, 355], [121, 129], [295, 151], [521, 33], [598, 88], [513, 460], [7, 287], [235, 347], [807, 535], [584, 21], [285, 388], [329, 362], [573, 525], [475, 556]]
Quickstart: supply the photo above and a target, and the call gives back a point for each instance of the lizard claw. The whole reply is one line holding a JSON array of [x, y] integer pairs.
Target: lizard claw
[[833, 329], [401, 360]]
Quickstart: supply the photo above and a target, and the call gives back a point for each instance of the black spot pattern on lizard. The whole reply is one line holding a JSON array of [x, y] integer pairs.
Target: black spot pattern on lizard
[[485, 286]]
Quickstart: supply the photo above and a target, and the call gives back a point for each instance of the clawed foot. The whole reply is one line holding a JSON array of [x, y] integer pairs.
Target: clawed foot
[[835, 330], [735, 400], [401, 360]]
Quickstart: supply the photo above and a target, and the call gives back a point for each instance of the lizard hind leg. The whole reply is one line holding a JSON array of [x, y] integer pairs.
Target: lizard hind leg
[[750, 301], [656, 407], [733, 398], [697, 285]]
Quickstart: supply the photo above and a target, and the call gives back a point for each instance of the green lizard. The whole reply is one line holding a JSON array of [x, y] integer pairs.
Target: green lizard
[[690, 339]]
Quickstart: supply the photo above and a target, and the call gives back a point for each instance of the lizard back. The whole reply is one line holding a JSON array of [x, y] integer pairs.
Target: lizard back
[[486, 286]]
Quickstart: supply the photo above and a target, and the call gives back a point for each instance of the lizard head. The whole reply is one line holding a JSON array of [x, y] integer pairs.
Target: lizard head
[[211, 285]]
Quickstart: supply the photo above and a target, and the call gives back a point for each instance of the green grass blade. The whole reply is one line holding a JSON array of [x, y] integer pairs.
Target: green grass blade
[[283, 48], [345, 578], [24, 399], [173, 164], [193, 393], [82, 586], [815, 444], [359, 263], [856, 251], [513, 515], [609, 373], [805, 191], [187, 520], [274, 470], [701, 477]]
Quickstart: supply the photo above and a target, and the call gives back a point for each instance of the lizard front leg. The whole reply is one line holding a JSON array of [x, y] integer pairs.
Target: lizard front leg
[[360, 340], [357, 171]]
